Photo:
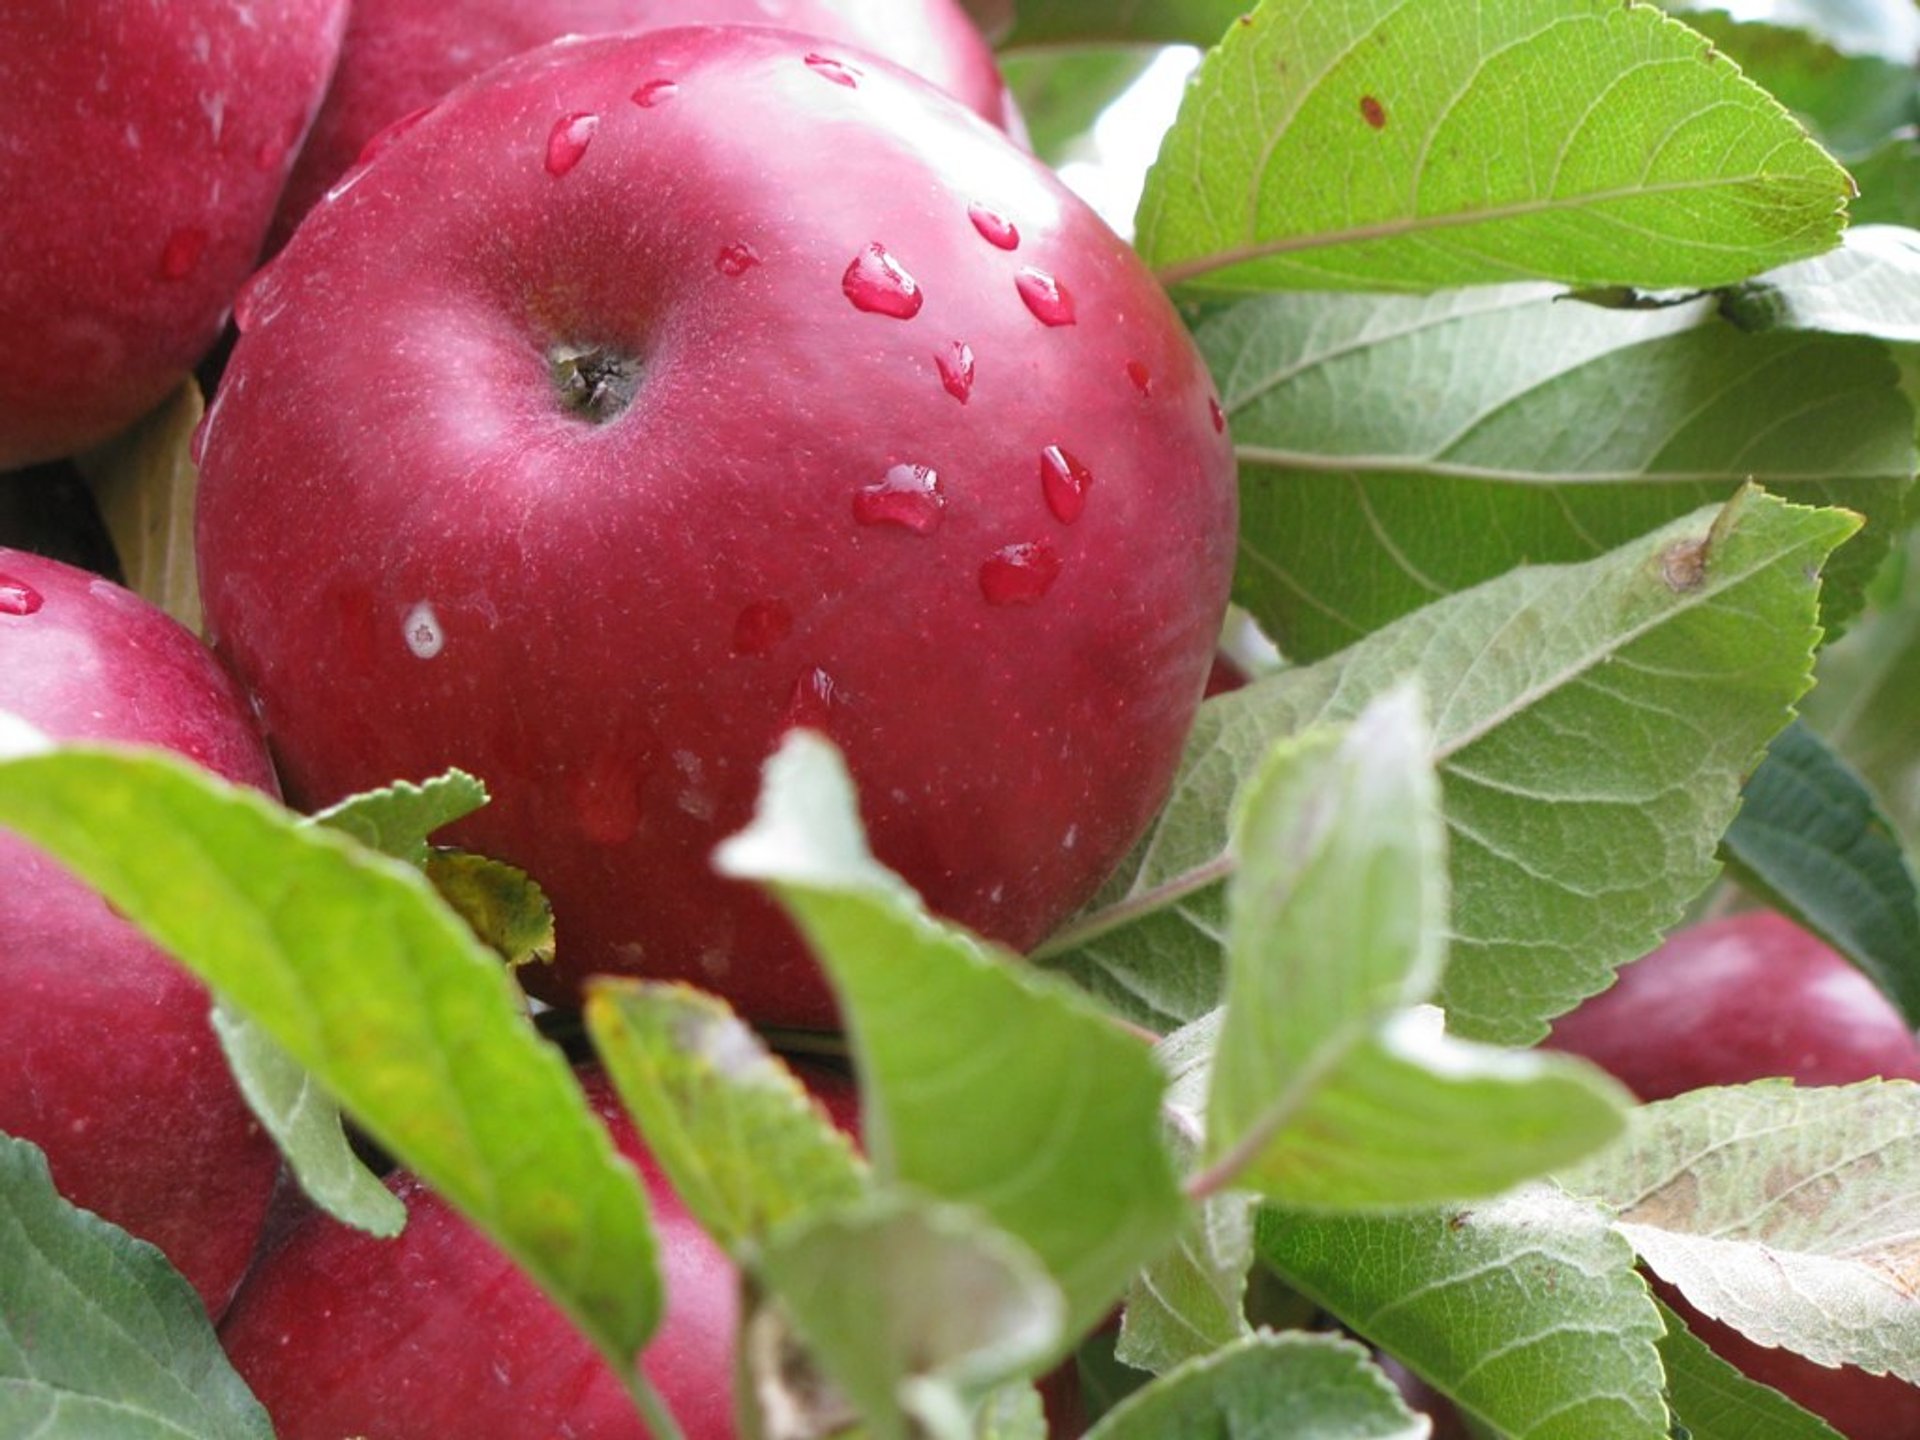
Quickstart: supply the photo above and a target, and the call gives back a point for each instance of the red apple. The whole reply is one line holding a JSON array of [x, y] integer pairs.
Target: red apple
[[1737, 1000], [110, 1065], [145, 150], [437, 1334], [590, 442], [401, 56]]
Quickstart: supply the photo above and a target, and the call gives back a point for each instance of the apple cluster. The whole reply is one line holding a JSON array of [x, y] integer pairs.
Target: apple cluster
[[599, 390], [605, 395]]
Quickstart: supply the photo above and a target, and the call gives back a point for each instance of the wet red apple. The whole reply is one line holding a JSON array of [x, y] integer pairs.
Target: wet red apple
[[656, 394], [145, 150], [107, 1059], [401, 56]]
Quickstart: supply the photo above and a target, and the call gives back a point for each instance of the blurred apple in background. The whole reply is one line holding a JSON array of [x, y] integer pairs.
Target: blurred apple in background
[[401, 56], [145, 149]]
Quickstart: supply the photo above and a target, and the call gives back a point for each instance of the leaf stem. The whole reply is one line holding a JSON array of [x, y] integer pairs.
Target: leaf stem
[[659, 1419]]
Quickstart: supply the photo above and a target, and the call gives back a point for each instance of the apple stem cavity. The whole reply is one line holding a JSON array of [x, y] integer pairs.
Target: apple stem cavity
[[594, 383]]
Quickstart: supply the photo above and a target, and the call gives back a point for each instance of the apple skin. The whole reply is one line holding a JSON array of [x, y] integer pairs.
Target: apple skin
[[437, 1333], [1733, 1001], [401, 56], [415, 556], [146, 148], [111, 1066]]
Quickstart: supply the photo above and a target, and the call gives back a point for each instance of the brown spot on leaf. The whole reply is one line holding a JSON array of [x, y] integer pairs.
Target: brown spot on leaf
[[1683, 565], [1374, 111]]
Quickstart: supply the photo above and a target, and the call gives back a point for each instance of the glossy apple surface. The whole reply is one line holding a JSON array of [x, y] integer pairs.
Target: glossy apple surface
[[1737, 1000], [400, 56], [146, 146], [107, 1060], [589, 442], [437, 1334]]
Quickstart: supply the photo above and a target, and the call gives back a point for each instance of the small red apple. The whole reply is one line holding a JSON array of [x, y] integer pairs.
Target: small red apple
[[145, 148], [658, 393], [1737, 1000], [436, 1334], [107, 1059], [401, 56]]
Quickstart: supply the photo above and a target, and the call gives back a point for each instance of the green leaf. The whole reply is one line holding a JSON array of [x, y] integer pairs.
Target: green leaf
[[1371, 144], [1811, 840], [918, 1310], [1192, 1300], [1328, 1090], [1714, 1401], [1131, 22], [1889, 181], [100, 1338], [353, 965], [1592, 726], [305, 1123], [1887, 28], [302, 1118], [1013, 1412], [397, 819], [1871, 286], [1788, 1214], [983, 1082], [1851, 102], [500, 903], [1526, 1312], [1287, 1387], [1864, 705], [1394, 450], [744, 1145], [144, 481]]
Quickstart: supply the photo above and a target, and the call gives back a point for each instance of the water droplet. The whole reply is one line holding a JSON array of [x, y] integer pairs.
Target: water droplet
[[424, 635], [382, 140], [761, 626], [568, 142], [255, 302], [1219, 415], [909, 496], [17, 597], [1019, 574], [879, 284], [180, 256], [1046, 297], [838, 71], [1373, 112], [1138, 374], [810, 703], [736, 259], [956, 369], [994, 227], [655, 92], [1065, 482]]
